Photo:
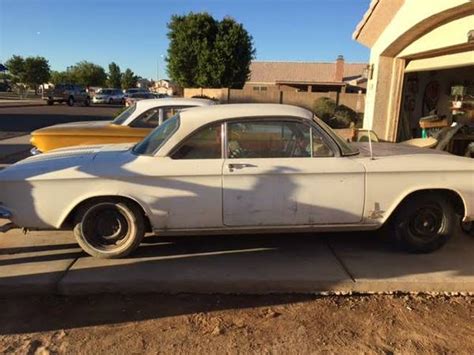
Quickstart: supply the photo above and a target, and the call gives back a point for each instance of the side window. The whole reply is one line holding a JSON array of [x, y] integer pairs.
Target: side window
[[268, 139], [320, 148], [170, 111], [148, 119], [204, 144]]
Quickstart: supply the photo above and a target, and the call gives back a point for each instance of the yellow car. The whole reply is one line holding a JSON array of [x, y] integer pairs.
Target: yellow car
[[132, 125]]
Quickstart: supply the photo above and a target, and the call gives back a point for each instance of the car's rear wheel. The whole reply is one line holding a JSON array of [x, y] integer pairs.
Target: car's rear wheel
[[424, 223], [50, 102], [87, 102], [468, 228], [111, 101], [70, 101], [109, 229]]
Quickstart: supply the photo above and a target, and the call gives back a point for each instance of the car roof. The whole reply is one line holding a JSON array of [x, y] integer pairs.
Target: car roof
[[171, 101], [196, 117], [220, 112]]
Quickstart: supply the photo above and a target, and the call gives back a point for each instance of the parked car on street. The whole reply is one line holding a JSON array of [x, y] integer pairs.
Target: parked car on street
[[128, 92], [132, 125], [138, 96], [68, 93], [109, 96], [244, 168]]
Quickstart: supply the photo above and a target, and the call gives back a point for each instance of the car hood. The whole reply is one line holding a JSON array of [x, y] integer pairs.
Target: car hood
[[68, 127], [62, 162], [391, 149]]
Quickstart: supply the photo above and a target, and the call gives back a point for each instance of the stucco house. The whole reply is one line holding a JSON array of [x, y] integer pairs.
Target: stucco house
[[421, 62], [338, 76]]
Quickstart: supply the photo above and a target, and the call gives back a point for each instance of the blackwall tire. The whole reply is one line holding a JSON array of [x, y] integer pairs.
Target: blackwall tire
[[70, 101], [109, 230], [424, 223]]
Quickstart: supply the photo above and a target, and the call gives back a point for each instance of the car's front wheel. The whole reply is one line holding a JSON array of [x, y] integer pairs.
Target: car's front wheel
[[424, 222], [109, 229], [70, 101], [87, 102]]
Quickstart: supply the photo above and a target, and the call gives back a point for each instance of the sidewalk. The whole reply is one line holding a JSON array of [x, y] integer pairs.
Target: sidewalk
[[51, 262]]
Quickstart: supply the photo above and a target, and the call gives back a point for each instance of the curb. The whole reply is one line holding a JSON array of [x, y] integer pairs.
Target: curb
[[22, 105]]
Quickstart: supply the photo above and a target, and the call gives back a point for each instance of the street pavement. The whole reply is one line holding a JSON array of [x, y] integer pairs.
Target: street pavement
[[51, 262], [16, 123]]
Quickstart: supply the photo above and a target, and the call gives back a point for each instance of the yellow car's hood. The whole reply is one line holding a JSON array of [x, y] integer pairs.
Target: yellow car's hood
[[86, 128], [85, 133]]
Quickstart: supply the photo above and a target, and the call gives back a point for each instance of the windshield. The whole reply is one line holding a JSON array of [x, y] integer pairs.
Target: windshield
[[121, 118], [157, 137], [346, 148]]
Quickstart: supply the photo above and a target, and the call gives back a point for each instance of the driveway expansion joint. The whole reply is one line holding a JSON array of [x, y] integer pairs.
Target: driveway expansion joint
[[339, 260], [57, 284]]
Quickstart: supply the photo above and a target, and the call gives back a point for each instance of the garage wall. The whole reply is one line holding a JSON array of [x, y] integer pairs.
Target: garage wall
[[382, 100], [451, 34]]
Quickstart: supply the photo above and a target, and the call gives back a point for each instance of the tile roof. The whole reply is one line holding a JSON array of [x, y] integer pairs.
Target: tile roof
[[271, 72]]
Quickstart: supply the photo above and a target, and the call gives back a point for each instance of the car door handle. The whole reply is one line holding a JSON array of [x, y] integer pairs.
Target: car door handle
[[233, 166]]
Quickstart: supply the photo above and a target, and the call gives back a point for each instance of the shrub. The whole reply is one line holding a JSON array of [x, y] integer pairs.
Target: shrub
[[335, 116], [324, 108], [345, 117]]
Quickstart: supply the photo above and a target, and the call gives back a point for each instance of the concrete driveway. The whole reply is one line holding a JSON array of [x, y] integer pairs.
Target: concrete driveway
[[51, 262]]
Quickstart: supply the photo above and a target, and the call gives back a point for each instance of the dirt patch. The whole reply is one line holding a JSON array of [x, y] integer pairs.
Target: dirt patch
[[237, 324]]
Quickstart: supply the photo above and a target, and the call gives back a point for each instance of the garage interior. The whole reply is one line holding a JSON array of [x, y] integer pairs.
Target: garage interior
[[438, 101]]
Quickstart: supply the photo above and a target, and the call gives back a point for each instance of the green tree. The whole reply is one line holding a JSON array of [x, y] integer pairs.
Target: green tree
[[87, 74], [61, 77], [32, 71], [129, 79], [36, 71], [16, 67], [233, 52], [115, 76], [204, 52]]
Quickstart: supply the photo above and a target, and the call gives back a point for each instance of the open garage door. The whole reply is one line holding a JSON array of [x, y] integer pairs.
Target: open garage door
[[448, 61], [443, 87]]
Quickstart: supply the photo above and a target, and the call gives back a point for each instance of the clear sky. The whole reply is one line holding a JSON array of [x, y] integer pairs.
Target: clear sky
[[133, 32]]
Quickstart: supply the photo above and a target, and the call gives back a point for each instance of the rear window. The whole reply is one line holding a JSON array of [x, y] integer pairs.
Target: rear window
[[121, 118]]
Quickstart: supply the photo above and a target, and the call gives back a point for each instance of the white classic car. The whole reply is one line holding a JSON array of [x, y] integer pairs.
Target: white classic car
[[239, 168]]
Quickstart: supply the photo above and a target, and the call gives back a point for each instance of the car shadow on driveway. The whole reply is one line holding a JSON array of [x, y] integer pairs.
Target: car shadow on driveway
[[285, 264]]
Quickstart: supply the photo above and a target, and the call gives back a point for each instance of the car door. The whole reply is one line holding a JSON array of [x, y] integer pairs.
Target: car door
[[184, 189], [287, 172]]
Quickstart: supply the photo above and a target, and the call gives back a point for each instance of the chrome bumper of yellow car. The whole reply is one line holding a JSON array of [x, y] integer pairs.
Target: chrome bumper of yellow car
[[35, 151], [5, 213]]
